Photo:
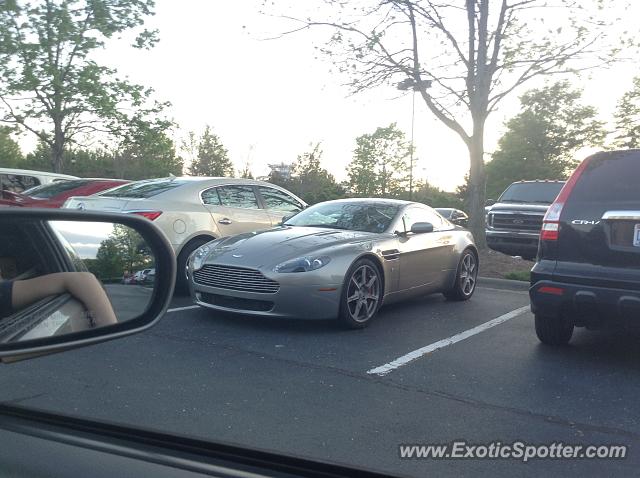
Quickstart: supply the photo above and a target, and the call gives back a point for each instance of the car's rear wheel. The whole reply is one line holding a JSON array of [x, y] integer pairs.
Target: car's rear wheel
[[182, 283], [361, 294], [466, 277], [553, 330]]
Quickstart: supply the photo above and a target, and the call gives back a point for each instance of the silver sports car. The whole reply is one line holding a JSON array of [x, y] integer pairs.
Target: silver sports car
[[338, 259]]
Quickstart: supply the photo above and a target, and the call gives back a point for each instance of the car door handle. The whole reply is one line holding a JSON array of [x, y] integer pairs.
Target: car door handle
[[224, 221]]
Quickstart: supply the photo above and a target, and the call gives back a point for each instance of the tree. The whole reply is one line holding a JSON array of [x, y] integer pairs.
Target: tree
[[148, 152], [627, 118], [123, 251], [435, 197], [212, 158], [541, 140], [311, 181], [10, 152], [464, 58], [50, 83], [380, 163]]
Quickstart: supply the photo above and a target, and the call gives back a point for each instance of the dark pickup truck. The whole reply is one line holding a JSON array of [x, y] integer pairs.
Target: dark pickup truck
[[513, 223]]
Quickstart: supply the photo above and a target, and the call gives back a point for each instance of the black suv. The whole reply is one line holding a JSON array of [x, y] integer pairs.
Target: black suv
[[587, 272], [514, 221]]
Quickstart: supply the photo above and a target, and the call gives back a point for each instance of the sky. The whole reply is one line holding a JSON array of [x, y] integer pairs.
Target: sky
[[268, 100]]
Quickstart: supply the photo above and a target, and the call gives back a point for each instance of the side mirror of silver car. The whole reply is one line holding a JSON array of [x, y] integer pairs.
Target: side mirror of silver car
[[421, 227], [70, 279]]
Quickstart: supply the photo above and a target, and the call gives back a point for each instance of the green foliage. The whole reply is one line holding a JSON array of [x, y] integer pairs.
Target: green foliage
[[212, 157], [151, 154], [51, 84], [10, 152], [380, 164], [434, 197], [148, 152], [124, 251], [309, 180], [519, 275], [541, 141], [627, 118]]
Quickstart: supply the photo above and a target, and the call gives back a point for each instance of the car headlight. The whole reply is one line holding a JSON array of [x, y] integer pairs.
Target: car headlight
[[303, 264], [199, 255]]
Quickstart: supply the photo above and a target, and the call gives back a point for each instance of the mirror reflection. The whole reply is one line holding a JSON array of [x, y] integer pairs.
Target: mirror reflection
[[61, 277]]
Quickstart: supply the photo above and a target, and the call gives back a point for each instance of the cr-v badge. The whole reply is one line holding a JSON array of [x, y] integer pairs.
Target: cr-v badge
[[585, 222]]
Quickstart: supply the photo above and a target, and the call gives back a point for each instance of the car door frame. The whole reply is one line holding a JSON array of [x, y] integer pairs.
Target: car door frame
[[432, 249], [274, 214], [221, 228]]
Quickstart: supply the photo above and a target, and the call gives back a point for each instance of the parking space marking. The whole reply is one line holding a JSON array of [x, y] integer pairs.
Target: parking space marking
[[178, 309], [416, 354]]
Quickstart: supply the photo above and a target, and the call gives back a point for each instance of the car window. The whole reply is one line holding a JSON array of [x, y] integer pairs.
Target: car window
[[210, 196], [420, 214], [621, 171], [542, 192], [352, 216], [17, 183], [46, 191], [279, 200], [238, 196], [144, 189]]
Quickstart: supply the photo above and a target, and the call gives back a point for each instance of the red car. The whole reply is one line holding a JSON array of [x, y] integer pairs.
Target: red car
[[54, 195]]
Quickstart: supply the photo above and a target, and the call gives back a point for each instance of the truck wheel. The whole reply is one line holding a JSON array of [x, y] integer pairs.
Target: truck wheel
[[553, 330]]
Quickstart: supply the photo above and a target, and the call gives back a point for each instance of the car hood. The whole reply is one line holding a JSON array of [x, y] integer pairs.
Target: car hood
[[272, 246], [523, 207]]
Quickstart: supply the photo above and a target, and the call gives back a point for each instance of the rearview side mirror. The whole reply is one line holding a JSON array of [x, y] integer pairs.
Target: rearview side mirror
[[489, 202], [421, 227], [70, 279]]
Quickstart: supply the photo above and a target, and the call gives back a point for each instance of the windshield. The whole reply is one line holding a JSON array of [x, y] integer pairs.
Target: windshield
[[542, 192], [50, 190], [143, 189], [355, 216]]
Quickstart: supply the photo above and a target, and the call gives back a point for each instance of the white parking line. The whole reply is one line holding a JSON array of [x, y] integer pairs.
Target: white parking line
[[178, 309], [416, 354]]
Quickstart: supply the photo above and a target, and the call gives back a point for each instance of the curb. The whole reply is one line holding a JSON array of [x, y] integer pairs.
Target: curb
[[503, 283]]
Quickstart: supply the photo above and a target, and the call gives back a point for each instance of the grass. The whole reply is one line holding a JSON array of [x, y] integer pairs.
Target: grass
[[518, 275]]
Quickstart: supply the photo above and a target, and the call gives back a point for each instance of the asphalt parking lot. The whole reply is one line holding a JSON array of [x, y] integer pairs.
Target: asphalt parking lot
[[426, 371]]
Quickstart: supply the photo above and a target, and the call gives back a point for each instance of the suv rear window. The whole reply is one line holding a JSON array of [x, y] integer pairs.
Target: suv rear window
[[543, 193], [609, 178], [144, 189], [47, 191]]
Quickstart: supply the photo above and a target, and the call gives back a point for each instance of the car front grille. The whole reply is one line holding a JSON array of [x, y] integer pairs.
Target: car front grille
[[516, 222], [237, 303], [235, 278]]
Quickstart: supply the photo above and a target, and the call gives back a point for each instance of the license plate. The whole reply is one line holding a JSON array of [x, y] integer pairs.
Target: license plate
[[636, 235]]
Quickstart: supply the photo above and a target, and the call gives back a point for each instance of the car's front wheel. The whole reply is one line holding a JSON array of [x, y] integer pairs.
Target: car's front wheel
[[361, 294], [466, 276], [553, 330]]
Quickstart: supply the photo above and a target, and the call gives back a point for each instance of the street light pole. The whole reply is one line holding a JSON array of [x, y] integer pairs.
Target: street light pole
[[414, 85]]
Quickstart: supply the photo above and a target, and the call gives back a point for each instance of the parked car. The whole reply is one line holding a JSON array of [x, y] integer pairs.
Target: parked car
[[513, 223], [140, 277], [19, 180], [337, 259], [192, 211], [455, 216], [53, 195], [587, 272]]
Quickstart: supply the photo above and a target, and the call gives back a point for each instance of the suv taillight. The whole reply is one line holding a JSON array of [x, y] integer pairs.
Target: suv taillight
[[551, 222]]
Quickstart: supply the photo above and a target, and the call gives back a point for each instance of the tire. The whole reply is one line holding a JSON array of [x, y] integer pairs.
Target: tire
[[553, 330], [361, 295], [466, 277], [182, 285]]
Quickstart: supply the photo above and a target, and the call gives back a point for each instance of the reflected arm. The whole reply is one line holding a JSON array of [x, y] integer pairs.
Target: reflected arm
[[82, 285]]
